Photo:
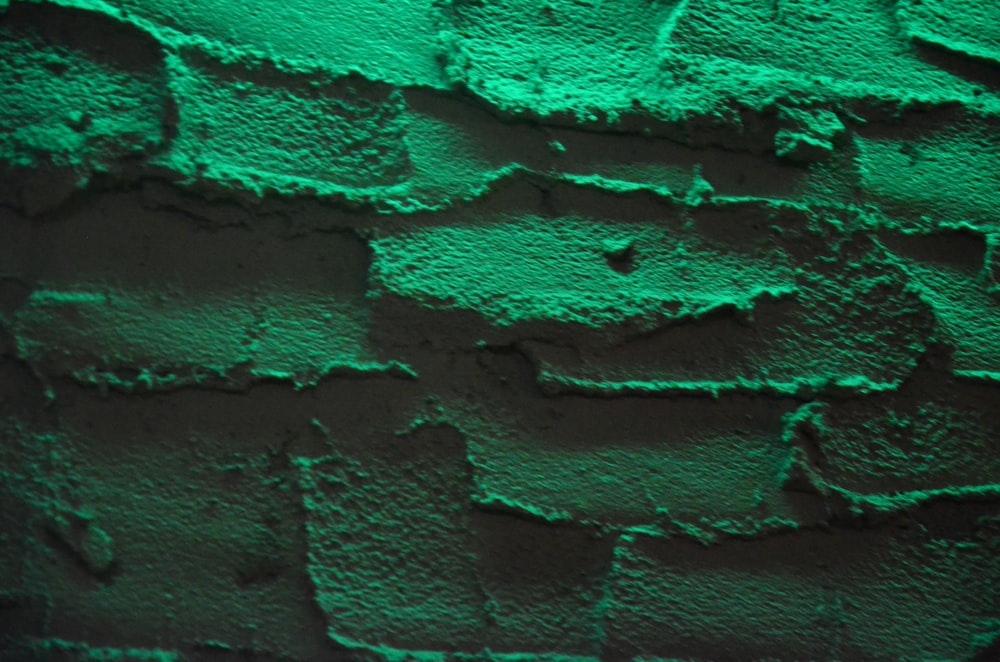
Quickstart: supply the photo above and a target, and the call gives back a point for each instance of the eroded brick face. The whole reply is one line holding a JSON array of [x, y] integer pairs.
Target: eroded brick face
[[456, 330]]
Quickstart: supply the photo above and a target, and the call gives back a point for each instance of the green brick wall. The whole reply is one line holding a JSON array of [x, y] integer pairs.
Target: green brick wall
[[526, 330]]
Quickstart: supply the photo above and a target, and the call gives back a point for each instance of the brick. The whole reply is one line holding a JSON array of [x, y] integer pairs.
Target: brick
[[634, 461], [74, 108], [854, 43], [821, 594], [545, 585], [250, 123], [946, 269], [397, 46], [390, 542], [947, 172], [197, 496], [494, 50], [934, 433], [149, 305], [502, 269]]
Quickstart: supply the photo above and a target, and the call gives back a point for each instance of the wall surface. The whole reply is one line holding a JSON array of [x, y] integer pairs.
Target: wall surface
[[507, 330]]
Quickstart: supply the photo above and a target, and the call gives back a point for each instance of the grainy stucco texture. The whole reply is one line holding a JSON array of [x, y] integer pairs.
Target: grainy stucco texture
[[515, 330]]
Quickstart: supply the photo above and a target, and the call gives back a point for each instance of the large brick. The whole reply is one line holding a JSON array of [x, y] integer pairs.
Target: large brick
[[635, 461], [812, 595], [560, 57], [609, 274], [852, 44], [390, 542], [253, 124], [198, 496], [945, 174], [396, 44], [149, 304]]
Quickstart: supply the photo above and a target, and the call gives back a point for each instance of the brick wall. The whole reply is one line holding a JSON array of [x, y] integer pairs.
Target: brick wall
[[516, 330]]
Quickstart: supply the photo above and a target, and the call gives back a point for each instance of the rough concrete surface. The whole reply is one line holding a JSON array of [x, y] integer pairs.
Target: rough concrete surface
[[526, 330]]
